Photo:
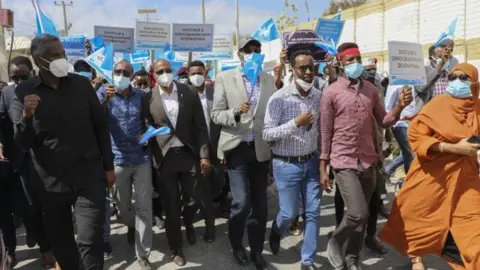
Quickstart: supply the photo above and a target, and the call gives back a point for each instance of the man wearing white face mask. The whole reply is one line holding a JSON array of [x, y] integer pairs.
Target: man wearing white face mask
[[132, 160], [58, 118], [178, 156], [291, 125]]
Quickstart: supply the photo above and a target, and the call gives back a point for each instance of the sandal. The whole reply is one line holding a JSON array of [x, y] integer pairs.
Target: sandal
[[417, 263]]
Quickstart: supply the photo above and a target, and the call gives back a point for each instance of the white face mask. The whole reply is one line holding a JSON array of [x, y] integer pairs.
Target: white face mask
[[165, 79], [197, 80], [306, 86], [58, 67]]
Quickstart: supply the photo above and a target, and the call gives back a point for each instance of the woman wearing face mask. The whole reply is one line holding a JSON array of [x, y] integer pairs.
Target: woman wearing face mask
[[438, 208]]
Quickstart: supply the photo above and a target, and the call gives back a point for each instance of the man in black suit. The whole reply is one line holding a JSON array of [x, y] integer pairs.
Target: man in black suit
[[176, 156], [58, 118], [210, 188], [17, 159]]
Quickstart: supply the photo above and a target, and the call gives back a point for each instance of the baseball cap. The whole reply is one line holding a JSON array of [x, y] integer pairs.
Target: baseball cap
[[244, 41]]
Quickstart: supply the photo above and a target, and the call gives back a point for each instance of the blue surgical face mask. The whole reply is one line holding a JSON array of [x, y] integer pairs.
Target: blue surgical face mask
[[459, 89], [121, 82], [353, 71], [86, 74]]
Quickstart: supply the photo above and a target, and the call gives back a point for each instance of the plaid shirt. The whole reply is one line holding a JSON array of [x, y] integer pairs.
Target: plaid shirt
[[279, 127], [253, 94], [441, 84]]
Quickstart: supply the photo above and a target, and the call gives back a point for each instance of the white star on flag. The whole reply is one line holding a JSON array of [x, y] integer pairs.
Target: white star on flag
[[263, 32]]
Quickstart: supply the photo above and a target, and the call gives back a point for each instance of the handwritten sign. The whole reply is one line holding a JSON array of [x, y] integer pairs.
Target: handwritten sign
[[192, 37], [122, 38], [222, 48], [406, 65], [152, 36]]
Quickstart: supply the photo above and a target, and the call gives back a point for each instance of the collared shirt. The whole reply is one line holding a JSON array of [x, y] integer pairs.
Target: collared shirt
[[347, 129], [391, 100], [253, 94], [125, 125], [170, 104], [280, 128], [203, 99], [441, 84]]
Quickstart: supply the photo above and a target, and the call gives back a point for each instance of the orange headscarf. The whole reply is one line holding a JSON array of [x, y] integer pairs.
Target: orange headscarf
[[452, 117]]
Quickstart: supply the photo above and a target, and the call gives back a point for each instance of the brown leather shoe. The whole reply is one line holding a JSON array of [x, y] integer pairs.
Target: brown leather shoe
[[178, 258], [48, 261]]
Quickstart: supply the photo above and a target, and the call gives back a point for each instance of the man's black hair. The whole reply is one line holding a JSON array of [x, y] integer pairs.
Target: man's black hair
[[431, 51], [196, 64], [37, 48], [140, 73], [297, 53], [347, 45], [22, 60]]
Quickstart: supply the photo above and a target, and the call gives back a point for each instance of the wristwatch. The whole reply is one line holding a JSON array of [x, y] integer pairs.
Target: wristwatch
[[235, 112]]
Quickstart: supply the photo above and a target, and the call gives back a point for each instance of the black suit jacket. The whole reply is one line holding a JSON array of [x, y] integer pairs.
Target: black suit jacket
[[12, 151], [191, 128], [214, 128]]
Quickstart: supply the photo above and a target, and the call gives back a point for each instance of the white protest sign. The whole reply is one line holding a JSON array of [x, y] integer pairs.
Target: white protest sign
[[122, 38], [406, 65], [222, 48], [192, 37], [152, 36]]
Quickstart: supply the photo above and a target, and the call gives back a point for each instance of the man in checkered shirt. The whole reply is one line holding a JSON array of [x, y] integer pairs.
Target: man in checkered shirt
[[291, 125]]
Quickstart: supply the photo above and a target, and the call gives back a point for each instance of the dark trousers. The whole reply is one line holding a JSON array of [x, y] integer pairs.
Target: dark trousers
[[89, 209], [33, 219], [177, 184], [356, 188], [248, 184], [210, 188]]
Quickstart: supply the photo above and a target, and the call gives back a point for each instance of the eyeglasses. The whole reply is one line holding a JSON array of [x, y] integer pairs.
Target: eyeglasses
[[161, 71], [125, 73], [453, 77], [249, 50], [305, 68]]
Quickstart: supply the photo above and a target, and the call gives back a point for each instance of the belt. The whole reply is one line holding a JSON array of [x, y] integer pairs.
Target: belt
[[249, 144], [294, 159]]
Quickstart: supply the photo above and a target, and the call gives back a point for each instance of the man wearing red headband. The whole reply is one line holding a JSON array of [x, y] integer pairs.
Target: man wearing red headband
[[347, 109]]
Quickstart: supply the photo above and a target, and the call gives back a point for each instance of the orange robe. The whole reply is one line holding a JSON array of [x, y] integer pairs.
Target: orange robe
[[442, 191]]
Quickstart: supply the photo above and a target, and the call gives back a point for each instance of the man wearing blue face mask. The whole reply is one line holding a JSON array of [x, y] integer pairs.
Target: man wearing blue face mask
[[348, 109], [132, 160], [82, 68]]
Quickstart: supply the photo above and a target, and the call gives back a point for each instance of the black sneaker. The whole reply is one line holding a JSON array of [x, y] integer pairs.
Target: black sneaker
[[144, 264], [131, 236], [107, 251]]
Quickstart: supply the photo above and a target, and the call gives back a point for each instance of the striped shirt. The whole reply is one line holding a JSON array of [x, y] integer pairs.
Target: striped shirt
[[253, 94], [279, 125], [347, 130]]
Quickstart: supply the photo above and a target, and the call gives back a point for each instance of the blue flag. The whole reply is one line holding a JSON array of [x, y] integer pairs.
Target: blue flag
[[267, 32], [108, 61], [450, 32], [253, 66], [337, 16], [153, 132], [97, 43], [97, 61], [44, 24], [330, 48]]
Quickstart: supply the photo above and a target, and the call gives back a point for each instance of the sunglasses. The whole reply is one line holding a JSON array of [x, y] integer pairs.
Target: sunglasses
[[125, 73], [453, 77], [20, 78], [161, 71], [305, 68]]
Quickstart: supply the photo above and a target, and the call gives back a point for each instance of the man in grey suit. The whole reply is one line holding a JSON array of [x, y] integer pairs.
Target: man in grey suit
[[239, 107], [177, 156], [210, 188]]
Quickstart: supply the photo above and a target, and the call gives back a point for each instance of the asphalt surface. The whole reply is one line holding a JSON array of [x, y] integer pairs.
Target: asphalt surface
[[217, 255]]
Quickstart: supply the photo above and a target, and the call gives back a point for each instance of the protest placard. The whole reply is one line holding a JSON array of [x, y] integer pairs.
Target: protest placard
[[406, 65], [222, 48], [192, 37], [330, 30], [151, 36], [122, 38], [140, 56], [302, 40], [74, 47]]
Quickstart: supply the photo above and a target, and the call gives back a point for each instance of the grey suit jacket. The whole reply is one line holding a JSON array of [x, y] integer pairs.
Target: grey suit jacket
[[230, 92]]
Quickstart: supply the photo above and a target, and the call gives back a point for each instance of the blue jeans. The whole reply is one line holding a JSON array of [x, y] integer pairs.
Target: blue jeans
[[106, 226], [392, 167], [296, 181], [400, 134]]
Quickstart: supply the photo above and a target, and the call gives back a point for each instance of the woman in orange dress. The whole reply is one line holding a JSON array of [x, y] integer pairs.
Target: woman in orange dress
[[437, 210]]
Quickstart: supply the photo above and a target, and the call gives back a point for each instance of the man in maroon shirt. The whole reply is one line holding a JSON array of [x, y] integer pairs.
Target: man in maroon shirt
[[348, 108]]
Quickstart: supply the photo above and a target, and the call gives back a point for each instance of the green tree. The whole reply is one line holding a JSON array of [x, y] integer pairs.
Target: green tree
[[334, 6], [288, 18]]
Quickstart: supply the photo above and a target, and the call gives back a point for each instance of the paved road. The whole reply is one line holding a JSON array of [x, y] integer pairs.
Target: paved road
[[217, 255]]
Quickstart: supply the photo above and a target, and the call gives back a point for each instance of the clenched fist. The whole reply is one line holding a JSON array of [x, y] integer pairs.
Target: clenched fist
[[30, 104]]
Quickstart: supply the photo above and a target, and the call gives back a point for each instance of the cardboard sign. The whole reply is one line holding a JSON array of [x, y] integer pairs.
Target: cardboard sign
[[406, 66], [122, 38], [192, 37], [152, 36]]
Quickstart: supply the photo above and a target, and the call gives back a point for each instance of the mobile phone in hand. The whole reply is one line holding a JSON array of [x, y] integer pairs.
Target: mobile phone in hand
[[474, 139]]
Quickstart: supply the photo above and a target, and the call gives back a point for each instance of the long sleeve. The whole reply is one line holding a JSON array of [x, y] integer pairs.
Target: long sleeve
[[327, 113], [221, 114], [272, 131], [201, 129], [391, 97], [384, 119], [100, 125], [23, 127], [4, 117], [420, 138]]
